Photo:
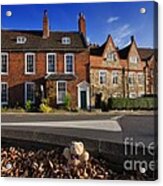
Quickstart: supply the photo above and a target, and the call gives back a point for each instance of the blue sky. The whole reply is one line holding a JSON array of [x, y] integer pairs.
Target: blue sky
[[121, 20]]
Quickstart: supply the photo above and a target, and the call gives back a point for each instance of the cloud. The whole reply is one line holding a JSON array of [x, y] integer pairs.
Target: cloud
[[112, 19], [88, 39], [122, 34]]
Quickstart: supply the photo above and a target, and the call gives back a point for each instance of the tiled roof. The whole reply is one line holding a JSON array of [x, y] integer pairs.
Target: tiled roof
[[98, 51], [123, 53], [146, 53], [36, 42], [67, 77]]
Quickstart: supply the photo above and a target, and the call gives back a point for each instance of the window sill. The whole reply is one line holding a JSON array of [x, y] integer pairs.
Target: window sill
[[4, 73], [28, 73], [69, 73], [48, 73], [4, 103], [60, 103]]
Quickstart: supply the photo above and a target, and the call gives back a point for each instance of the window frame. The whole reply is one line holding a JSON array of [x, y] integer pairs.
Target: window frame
[[6, 102], [58, 101], [65, 63], [131, 74], [113, 58], [142, 75], [25, 96], [21, 40], [102, 71], [65, 40], [113, 76], [34, 63], [55, 63], [132, 95], [7, 63], [135, 61]]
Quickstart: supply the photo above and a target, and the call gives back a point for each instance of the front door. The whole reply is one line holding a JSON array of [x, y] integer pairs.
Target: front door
[[98, 100], [83, 97]]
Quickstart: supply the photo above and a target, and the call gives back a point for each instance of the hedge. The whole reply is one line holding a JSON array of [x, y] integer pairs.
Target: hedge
[[132, 104]]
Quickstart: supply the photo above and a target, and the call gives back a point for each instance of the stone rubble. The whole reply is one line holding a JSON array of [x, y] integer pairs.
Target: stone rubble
[[18, 162]]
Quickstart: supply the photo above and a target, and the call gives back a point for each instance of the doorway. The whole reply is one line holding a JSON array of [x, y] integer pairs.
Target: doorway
[[83, 97], [98, 100]]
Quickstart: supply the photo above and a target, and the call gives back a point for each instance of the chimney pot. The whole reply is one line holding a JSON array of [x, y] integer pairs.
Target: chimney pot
[[46, 32], [45, 12], [82, 24]]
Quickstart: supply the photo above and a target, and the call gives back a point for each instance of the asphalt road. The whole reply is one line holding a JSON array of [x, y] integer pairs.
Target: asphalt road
[[138, 128]]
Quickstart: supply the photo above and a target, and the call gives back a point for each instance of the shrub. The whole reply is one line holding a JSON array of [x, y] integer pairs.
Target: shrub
[[44, 106], [67, 102], [132, 104], [29, 106], [104, 106], [129, 104], [74, 109], [4, 109]]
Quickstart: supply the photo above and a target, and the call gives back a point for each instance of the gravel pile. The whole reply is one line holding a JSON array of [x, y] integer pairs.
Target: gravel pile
[[18, 162]]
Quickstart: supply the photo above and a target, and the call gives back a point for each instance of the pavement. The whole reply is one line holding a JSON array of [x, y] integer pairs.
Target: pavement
[[104, 125]]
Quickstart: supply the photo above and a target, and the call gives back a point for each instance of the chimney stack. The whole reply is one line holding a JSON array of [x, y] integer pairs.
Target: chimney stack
[[132, 39], [46, 32], [82, 24]]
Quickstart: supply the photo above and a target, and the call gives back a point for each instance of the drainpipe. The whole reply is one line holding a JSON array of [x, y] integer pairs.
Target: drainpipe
[[145, 79], [123, 81]]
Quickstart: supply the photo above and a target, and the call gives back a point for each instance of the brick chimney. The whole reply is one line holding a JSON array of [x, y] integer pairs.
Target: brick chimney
[[82, 24], [46, 32], [132, 39]]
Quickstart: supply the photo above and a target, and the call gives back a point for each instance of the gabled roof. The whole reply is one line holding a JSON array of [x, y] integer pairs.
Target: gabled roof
[[145, 53], [123, 53], [98, 51], [36, 42]]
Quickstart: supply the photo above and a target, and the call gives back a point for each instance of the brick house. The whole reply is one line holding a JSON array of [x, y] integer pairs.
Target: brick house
[[134, 70], [149, 57], [105, 72], [120, 73], [45, 64]]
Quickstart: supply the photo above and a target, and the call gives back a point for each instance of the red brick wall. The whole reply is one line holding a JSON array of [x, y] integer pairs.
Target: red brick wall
[[16, 77]]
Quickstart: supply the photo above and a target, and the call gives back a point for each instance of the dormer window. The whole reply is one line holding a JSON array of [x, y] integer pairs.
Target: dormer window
[[134, 59], [111, 57], [66, 41], [21, 39]]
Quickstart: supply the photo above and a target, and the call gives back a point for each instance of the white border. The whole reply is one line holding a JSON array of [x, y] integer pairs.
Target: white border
[[7, 54], [61, 81], [55, 61], [73, 63], [5, 83], [117, 72], [100, 71], [34, 63], [25, 92], [51, 182], [83, 88]]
